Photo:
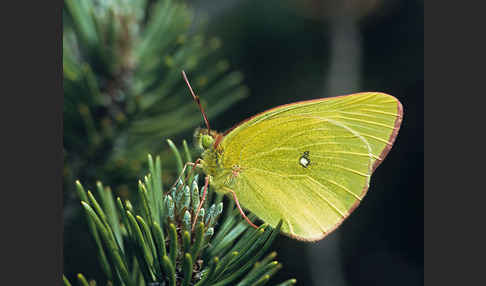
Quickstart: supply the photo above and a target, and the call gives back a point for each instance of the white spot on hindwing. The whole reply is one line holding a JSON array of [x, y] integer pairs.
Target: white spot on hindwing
[[304, 159], [304, 162]]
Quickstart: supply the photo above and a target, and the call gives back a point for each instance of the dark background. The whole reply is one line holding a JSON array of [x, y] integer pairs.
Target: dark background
[[297, 50]]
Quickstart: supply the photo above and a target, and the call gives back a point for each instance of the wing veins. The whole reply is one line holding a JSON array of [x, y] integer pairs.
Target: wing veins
[[307, 177], [256, 155], [351, 170], [383, 112], [305, 132], [285, 176], [377, 138], [361, 120], [278, 202], [325, 199], [352, 101], [343, 187], [316, 220], [261, 131], [350, 153]]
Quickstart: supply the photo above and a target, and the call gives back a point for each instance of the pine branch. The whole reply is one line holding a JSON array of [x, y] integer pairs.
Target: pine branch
[[153, 243], [123, 93]]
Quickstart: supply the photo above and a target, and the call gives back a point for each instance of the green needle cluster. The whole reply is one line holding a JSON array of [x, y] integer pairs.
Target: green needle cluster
[[158, 240]]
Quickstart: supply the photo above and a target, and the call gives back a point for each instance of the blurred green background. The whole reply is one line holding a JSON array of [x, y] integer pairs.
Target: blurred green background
[[288, 51]]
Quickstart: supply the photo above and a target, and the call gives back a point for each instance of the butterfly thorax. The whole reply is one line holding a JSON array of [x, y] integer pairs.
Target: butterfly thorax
[[212, 159], [211, 162]]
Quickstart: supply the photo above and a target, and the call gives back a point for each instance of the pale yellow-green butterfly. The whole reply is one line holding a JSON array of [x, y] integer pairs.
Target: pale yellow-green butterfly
[[307, 163]]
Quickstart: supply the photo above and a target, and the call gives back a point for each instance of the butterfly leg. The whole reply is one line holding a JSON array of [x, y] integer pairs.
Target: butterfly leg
[[205, 189], [194, 165], [239, 208]]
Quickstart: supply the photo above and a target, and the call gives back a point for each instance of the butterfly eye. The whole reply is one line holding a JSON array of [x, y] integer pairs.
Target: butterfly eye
[[207, 141]]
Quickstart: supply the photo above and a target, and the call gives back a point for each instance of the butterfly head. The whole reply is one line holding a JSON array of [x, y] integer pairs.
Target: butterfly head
[[205, 140]]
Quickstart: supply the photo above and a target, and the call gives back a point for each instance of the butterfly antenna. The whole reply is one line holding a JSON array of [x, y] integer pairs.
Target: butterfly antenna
[[196, 99]]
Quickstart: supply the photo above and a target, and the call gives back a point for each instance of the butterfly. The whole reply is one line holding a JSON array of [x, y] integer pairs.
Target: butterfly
[[306, 163]]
